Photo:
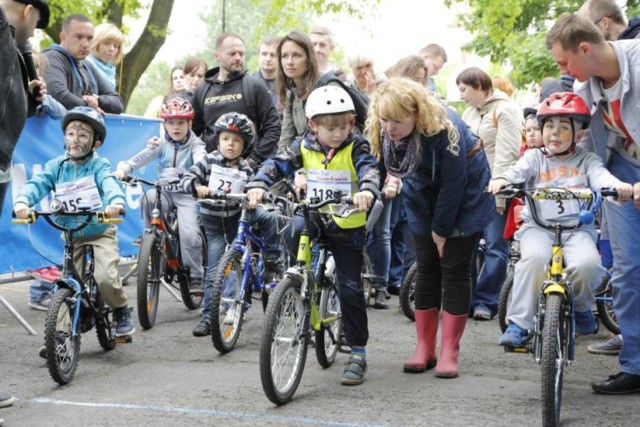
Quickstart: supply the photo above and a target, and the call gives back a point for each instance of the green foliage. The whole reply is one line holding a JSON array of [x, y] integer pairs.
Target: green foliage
[[513, 31]]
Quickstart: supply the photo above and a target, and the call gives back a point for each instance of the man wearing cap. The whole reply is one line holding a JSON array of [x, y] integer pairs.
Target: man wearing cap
[[18, 21], [72, 81]]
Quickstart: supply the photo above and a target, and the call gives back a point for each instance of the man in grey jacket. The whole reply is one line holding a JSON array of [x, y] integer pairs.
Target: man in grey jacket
[[608, 79], [73, 81], [18, 93]]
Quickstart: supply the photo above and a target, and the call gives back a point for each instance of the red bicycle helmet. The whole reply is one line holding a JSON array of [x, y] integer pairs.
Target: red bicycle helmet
[[565, 104], [177, 108]]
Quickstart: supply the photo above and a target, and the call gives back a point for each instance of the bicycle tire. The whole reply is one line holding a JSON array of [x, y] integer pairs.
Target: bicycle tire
[[150, 271], [503, 298], [227, 286], [63, 350], [554, 336], [366, 273], [606, 314], [407, 293], [103, 326], [285, 315], [191, 301], [328, 337]]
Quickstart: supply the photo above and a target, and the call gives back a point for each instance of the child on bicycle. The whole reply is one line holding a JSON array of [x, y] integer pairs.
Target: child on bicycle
[[563, 118], [345, 162], [81, 174], [227, 170], [176, 152]]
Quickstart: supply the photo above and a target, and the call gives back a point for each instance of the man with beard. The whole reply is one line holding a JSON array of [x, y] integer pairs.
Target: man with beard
[[228, 88]]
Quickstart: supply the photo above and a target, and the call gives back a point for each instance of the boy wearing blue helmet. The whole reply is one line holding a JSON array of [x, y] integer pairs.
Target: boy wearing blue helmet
[[81, 173]]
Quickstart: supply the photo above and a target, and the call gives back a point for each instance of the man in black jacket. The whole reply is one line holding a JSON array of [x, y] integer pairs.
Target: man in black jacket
[[18, 21], [225, 90], [73, 81]]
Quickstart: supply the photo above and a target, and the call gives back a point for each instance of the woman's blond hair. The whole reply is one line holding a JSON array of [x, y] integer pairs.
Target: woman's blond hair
[[398, 98], [104, 32]]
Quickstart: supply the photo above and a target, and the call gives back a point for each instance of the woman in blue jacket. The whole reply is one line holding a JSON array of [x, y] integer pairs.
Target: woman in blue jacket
[[445, 172]]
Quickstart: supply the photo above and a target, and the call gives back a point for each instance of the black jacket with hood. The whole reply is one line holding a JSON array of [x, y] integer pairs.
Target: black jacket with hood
[[214, 98], [15, 101]]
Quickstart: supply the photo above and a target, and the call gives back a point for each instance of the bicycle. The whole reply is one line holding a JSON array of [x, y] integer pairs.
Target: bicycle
[[304, 303], [76, 306], [241, 271], [160, 259], [553, 341]]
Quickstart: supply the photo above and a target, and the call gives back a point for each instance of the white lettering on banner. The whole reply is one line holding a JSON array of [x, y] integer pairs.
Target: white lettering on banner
[[131, 192], [75, 194], [322, 184], [227, 180]]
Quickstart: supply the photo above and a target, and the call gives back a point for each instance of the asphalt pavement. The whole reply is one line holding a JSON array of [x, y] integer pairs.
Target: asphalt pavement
[[167, 377]]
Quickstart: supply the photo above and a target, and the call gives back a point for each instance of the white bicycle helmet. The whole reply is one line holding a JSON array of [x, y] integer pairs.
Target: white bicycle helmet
[[328, 100]]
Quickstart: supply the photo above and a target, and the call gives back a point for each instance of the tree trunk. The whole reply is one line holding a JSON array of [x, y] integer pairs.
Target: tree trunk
[[147, 46]]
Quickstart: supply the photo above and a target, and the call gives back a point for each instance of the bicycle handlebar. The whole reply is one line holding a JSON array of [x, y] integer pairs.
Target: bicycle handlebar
[[134, 180]]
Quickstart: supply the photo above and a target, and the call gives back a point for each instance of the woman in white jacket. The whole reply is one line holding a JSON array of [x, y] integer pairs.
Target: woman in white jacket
[[498, 122]]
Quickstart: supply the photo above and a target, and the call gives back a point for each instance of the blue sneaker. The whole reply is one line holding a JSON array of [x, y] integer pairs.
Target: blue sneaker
[[514, 336], [124, 324], [585, 323]]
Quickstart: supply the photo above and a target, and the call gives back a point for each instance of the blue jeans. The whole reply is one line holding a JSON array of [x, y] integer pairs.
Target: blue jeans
[[346, 247], [623, 223], [220, 232], [38, 290], [379, 242], [487, 288], [403, 252]]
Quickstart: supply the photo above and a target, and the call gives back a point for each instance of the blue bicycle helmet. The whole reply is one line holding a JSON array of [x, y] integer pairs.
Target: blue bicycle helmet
[[89, 115]]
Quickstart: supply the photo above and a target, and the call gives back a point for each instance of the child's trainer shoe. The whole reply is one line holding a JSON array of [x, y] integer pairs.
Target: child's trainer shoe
[[514, 336], [124, 324]]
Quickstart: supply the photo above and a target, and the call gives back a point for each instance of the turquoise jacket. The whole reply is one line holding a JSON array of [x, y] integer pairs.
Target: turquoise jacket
[[61, 169]]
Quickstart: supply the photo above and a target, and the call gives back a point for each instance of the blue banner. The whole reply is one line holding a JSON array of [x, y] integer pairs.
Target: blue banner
[[29, 247]]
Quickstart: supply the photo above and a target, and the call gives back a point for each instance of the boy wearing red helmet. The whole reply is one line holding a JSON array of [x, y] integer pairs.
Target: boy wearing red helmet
[[563, 119], [176, 152]]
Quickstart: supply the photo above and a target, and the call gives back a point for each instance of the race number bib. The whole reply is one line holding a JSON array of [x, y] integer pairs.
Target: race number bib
[[80, 193], [324, 183], [555, 209], [227, 180], [171, 174]]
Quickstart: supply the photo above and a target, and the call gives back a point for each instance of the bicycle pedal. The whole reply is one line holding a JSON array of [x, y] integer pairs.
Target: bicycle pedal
[[196, 292], [128, 339], [517, 349]]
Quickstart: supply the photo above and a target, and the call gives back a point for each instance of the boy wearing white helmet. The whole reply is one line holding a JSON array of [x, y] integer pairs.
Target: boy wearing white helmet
[[346, 163], [80, 172], [227, 169]]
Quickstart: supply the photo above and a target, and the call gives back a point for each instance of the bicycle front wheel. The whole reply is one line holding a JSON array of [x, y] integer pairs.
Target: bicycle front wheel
[[328, 337], [63, 348], [504, 297], [227, 310], [554, 338], [150, 271], [407, 293], [367, 274], [283, 350]]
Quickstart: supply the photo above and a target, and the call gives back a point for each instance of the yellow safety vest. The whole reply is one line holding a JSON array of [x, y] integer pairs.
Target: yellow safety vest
[[313, 160]]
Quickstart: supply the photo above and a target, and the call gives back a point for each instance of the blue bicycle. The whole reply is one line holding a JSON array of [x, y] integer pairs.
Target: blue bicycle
[[241, 271], [76, 306]]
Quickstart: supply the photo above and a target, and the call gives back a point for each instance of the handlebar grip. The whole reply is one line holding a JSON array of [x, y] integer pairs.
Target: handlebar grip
[[608, 192], [21, 221]]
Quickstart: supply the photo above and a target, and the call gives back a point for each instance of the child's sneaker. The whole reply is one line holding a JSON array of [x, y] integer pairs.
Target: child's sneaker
[[42, 305], [195, 287], [514, 336], [610, 346], [585, 323], [124, 324]]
